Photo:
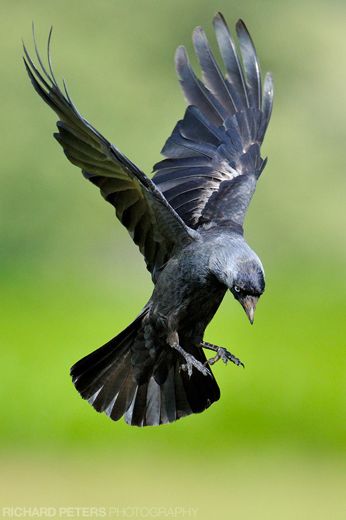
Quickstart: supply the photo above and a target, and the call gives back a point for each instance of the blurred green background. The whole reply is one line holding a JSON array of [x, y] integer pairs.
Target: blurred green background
[[274, 445]]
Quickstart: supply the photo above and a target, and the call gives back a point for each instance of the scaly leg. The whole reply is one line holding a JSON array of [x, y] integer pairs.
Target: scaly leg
[[221, 353], [191, 361]]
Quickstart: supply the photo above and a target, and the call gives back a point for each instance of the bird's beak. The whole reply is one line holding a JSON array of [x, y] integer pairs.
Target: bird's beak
[[249, 305]]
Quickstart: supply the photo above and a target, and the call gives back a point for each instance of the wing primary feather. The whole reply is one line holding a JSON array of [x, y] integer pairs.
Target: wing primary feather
[[211, 72], [38, 54], [195, 92], [67, 93], [268, 94], [28, 61], [251, 64], [49, 59], [230, 58]]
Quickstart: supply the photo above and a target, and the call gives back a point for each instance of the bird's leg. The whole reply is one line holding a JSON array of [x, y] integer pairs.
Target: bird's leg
[[221, 353], [191, 361]]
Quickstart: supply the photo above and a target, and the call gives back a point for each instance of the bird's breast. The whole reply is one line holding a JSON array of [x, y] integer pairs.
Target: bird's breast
[[186, 293]]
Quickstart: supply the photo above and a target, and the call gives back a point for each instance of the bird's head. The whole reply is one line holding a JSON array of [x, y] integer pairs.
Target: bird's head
[[240, 269], [248, 285]]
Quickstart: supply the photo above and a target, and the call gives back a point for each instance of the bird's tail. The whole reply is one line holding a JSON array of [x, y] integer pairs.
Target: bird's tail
[[122, 378]]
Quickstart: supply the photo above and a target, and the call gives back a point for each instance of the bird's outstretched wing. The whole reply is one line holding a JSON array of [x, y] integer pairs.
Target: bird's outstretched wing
[[153, 224], [213, 155]]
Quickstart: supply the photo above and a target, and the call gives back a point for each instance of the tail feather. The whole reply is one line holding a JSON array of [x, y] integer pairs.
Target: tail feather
[[113, 357], [168, 401], [153, 403], [114, 382], [124, 398], [139, 406], [97, 376], [201, 391], [111, 380]]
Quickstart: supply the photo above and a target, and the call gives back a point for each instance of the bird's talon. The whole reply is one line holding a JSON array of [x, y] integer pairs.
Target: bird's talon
[[191, 362], [222, 353], [226, 356], [212, 360], [186, 367]]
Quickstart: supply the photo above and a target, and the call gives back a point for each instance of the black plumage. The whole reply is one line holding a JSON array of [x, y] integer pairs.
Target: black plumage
[[187, 222], [223, 128]]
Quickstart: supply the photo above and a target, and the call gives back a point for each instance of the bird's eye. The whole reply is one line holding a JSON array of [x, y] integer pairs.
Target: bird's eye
[[236, 288]]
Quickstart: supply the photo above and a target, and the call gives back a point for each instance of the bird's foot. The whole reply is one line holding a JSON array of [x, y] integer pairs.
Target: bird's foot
[[191, 362], [223, 354]]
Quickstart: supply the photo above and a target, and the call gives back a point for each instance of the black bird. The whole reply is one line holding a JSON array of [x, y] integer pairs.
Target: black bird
[[187, 222]]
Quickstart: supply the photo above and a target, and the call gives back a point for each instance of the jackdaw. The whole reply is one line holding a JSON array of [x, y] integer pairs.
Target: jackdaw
[[187, 222]]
